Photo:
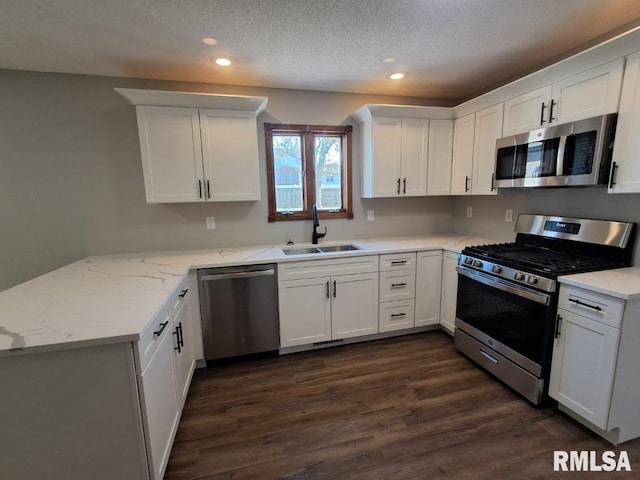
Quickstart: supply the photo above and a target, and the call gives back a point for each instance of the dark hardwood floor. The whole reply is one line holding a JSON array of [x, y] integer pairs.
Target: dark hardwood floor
[[403, 408]]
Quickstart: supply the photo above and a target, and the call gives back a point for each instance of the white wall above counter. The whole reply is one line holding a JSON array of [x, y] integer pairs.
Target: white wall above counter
[[110, 299]]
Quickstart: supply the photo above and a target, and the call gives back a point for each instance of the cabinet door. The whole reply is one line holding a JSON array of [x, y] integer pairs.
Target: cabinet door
[[488, 129], [588, 94], [230, 154], [462, 157], [428, 288], [354, 306], [527, 112], [413, 168], [305, 311], [583, 366], [627, 143], [439, 158], [184, 356], [171, 154], [387, 149], [449, 291], [160, 409]]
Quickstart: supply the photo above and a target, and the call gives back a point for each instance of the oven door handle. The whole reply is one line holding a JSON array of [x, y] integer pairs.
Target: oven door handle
[[508, 287]]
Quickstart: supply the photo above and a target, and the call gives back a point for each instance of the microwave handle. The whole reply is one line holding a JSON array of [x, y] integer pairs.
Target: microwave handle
[[560, 158]]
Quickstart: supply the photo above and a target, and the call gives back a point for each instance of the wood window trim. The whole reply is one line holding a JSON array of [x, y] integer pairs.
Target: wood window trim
[[345, 131]]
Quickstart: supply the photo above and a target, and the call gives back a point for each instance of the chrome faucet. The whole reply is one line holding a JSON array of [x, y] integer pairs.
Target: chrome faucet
[[316, 223]]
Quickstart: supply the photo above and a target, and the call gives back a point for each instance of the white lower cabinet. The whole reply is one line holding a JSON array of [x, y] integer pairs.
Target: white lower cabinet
[[428, 288], [396, 315], [318, 304], [183, 349], [594, 369], [159, 400], [449, 291]]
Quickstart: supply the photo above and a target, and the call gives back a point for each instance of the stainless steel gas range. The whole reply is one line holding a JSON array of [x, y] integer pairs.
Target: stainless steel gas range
[[508, 293]]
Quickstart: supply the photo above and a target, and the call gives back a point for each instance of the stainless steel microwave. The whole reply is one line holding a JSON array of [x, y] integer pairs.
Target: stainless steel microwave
[[567, 155]]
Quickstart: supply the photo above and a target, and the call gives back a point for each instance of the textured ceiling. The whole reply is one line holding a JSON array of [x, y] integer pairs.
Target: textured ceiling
[[449, 48]]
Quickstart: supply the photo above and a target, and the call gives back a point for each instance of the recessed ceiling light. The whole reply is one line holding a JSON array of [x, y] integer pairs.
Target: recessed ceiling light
[[209, 41], [223, 62], [389, 60], [397, 76]]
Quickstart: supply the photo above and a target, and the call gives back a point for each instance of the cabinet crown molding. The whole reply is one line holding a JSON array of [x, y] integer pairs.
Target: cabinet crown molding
[[193, 99], [370, 110]]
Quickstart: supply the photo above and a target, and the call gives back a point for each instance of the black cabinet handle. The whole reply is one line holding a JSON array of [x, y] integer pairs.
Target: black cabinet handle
[[328, 293], [398, 285], [181, 340], [553, 104], [542, 121], [578, 302], [184, 292], [493, 177], [404, 186], [158, 332], [612, 176], [335, 289], [177, 347], [398, 262], [466, 184], [394, 315], [398, 189], [208, 189], [200, 188], [558, 322]]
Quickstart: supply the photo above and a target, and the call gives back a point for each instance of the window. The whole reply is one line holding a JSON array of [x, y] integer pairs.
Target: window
[[307, 165]]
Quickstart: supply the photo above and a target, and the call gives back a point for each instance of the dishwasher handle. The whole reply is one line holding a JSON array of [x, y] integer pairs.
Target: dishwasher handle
[[226, 276]]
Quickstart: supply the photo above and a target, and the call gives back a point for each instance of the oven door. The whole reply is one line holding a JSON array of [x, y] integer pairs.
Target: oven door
[[513, 320]]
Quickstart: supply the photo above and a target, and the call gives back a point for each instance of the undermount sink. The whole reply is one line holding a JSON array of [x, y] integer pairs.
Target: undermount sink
[[300, 250], [339, 248], [313, 250]]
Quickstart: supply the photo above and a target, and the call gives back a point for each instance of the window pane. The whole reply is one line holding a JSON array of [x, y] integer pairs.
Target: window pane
[[328, 168], [287, 166]]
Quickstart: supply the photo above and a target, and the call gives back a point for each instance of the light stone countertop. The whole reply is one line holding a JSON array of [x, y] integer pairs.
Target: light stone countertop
[[621, 283], [110, 299]]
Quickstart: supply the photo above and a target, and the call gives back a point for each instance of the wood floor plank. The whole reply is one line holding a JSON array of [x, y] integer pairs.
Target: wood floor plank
[[403, 408]]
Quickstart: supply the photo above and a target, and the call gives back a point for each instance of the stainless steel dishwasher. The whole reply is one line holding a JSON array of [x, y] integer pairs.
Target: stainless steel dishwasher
[[239, 308]]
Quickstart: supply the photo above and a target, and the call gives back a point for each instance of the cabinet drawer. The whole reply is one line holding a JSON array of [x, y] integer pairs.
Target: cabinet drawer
[[593, 305], [397, 261], [152, 335], [327, 267], [180, 294], [397, 285], [396, 315]]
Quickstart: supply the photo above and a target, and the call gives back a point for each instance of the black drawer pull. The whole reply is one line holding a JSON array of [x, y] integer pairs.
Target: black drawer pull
[[558, 322], [398, 285], [578, 302], [398, 262], [184, 292], [158, 332], [395, 315]]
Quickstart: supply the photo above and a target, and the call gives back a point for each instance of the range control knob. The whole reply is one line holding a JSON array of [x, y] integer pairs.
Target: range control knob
[[496, 269], [518, 276], [468, 261], [532, 280], [477, 263]]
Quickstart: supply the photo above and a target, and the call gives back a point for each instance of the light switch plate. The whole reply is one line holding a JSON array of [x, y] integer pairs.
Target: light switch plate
[[370, 215], [469, 212], [211, 223]]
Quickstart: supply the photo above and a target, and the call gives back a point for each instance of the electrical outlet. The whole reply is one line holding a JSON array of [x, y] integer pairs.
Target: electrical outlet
[[370, 216], [211, 223], [508, 215], [469, 212]]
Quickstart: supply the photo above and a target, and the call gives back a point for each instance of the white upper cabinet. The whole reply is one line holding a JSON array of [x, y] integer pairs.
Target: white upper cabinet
[[171, 153], [439, 158], [406, 150], [462, 156], [584, 95], [625, 166], [488, 128], [230, 155], [197, 147]]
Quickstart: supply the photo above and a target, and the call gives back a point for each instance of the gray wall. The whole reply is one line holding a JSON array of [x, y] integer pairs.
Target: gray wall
[[489, 212], [71, 177]]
